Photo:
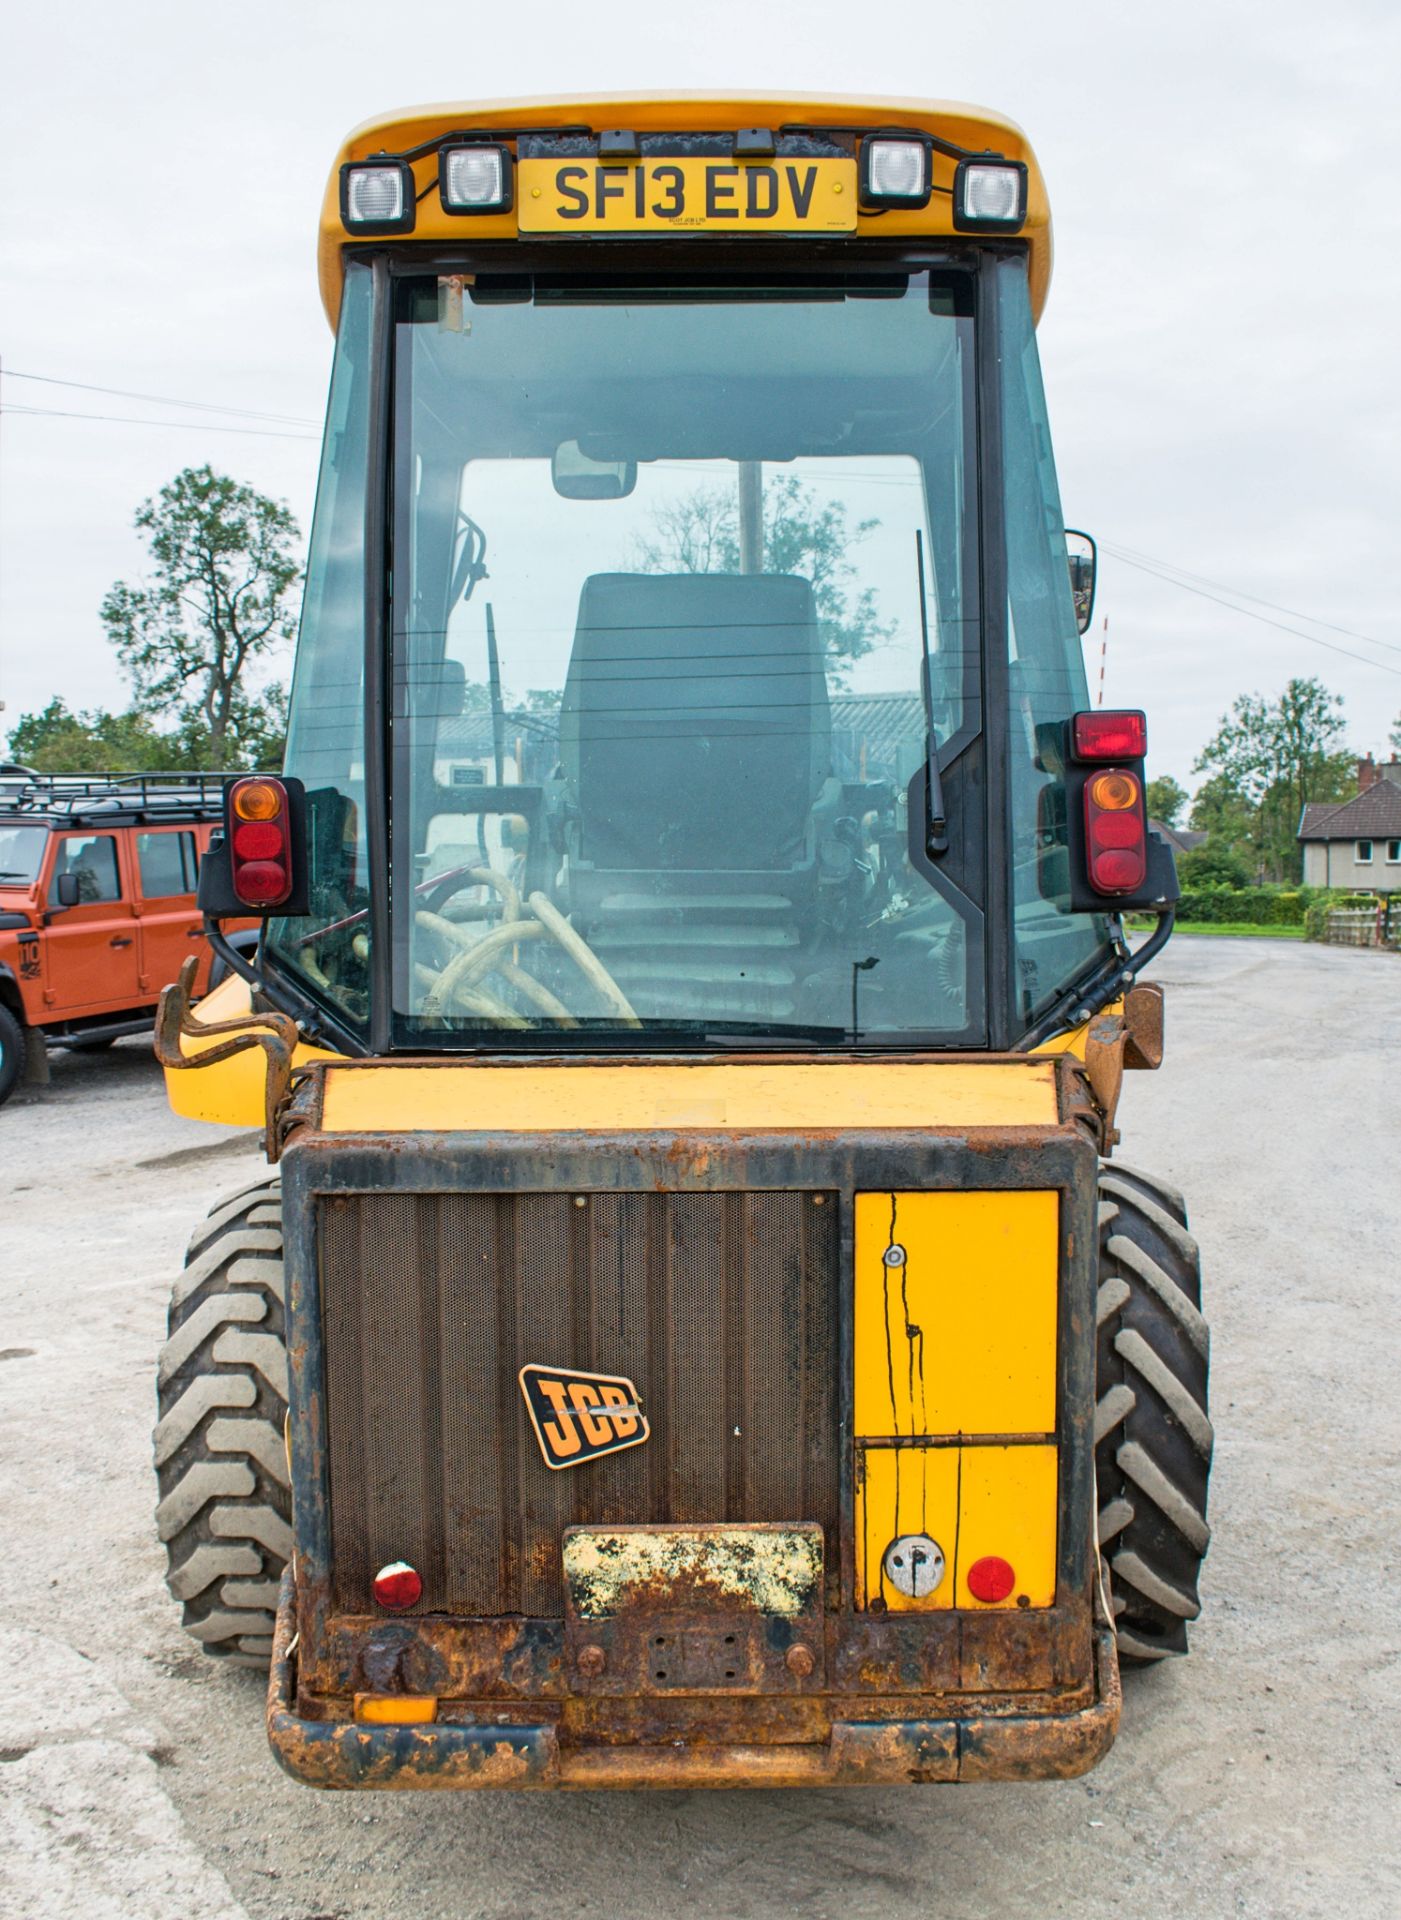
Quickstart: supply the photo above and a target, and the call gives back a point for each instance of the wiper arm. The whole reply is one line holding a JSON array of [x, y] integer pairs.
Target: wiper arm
[[936, 825]]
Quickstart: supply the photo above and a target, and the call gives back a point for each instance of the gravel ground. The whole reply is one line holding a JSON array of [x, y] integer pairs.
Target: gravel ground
[[1260, 1777]]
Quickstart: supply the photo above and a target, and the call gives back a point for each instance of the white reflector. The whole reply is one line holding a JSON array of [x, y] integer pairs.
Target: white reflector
[[374, 195], [992, 193], [473, 177], [895, 170]]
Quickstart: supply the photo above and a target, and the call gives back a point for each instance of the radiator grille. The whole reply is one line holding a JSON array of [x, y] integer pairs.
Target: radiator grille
[[720, 1306]]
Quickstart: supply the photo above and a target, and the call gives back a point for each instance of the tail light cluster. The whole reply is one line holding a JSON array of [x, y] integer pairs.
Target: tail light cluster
[[1116, 832], [259, 835], [1113, 813]]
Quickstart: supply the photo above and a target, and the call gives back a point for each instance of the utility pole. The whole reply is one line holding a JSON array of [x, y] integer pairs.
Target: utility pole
[[751, 516]]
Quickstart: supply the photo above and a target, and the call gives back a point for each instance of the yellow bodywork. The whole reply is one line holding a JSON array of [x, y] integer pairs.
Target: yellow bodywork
[[232, 1092], [979, 1267], [973, 1501], [464, 1095], [973, 128], [955, 1340]]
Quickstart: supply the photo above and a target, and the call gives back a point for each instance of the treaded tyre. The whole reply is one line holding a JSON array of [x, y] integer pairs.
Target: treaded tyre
[[12, 1052], [1153, 1439], [221, 1463]]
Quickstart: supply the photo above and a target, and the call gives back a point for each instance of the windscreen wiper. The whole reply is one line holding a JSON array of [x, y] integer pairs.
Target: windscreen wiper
[[936, 825]]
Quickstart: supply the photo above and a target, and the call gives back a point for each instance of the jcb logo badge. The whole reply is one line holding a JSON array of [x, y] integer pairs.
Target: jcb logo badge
[[580, 1416]]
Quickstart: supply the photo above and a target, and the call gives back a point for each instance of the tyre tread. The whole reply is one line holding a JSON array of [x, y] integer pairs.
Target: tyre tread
[[224, 1510], [1153, 1432]]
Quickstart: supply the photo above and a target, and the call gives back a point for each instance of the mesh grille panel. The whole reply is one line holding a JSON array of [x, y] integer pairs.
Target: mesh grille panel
[[720, 1306]]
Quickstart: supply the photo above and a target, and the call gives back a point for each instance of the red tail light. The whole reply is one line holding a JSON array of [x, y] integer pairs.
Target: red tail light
[[1116, 831], [260, 851], [1109, 736]]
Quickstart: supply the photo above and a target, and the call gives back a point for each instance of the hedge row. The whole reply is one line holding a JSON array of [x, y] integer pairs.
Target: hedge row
[[1261, 906]]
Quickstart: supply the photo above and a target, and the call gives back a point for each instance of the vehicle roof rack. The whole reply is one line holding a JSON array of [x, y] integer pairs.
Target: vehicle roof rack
[[80, 797]]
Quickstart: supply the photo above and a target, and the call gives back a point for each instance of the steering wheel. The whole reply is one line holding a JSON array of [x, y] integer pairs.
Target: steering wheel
[[462, 981]]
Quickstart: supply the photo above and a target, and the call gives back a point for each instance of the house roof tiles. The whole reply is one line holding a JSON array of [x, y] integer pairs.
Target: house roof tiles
[[1373, 815]]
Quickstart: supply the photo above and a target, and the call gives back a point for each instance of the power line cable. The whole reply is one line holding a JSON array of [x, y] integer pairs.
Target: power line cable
[[137, 420], [1378, 666], [165, 400], [1133, 554]]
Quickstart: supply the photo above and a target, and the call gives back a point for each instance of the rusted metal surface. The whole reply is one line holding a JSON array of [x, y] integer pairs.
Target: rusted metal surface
[[275, 1033], [885, 1698], [454, 1752], [1144, 1018], [1105, 1039], [341, 1754], [769, 1569], [721, 1306]]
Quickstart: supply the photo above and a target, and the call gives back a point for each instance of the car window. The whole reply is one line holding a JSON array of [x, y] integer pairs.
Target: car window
[[93, 858], [166, 862]]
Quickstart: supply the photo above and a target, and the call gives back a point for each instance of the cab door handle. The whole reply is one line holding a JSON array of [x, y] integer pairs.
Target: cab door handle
[[118, 940]]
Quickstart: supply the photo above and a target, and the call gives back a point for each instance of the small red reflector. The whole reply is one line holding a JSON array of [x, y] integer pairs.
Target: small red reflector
[[1109, 736], [397, 1586], [991, 1579], [257, 840]]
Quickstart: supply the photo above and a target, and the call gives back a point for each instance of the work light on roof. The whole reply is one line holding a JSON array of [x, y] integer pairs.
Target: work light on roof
[[989, 196], [377, 197], [895, 172], [475, 179]]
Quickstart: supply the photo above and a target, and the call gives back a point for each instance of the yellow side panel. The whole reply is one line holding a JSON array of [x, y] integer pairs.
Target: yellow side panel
[[972, 1502], [1009, 1508], [230, 1093], [844, 1096], [961, 1337]]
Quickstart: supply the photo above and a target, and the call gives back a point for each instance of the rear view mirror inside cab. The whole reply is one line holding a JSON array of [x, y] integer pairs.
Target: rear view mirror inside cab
[[579, 478]]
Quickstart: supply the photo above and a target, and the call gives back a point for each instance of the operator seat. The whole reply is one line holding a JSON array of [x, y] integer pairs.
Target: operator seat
[[695, 730], [695, 754]]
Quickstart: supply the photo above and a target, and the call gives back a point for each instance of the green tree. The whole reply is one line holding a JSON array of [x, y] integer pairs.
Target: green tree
[[699, 533], [1165, 800], [1214, 865], [219, 604], [1274, 757], [1221, 812], [1394, 737], [59, 741]]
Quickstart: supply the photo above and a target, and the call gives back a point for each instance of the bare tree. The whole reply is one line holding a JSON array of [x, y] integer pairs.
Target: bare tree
[[699, 533]]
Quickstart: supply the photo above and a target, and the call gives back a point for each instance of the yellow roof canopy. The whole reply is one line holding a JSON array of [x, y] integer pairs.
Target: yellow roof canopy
[[974, 129]]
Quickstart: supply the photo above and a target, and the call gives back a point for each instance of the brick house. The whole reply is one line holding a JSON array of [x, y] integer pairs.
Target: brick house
[[1356, 843]]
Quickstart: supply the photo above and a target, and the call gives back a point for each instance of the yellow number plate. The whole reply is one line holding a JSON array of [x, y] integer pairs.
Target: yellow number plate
[[687, 195]]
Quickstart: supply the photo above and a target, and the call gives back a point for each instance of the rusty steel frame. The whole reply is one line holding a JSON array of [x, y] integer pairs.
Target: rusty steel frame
[[526, 1702]]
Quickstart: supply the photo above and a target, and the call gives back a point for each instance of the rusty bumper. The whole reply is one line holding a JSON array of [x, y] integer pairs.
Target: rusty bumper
[[867, 1752]]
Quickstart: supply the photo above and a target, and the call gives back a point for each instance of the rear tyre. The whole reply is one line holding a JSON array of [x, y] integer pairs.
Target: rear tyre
[[225, 1502], [1153, 1439], [12, 1048]]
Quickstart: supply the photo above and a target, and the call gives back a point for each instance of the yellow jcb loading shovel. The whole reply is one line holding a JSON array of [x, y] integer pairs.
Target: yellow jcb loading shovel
[[695, 1333]]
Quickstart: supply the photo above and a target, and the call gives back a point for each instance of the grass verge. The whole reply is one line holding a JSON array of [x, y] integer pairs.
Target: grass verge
[[1226, 930]]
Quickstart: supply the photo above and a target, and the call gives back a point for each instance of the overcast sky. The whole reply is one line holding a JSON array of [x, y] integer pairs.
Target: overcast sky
[[1221, 347]]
